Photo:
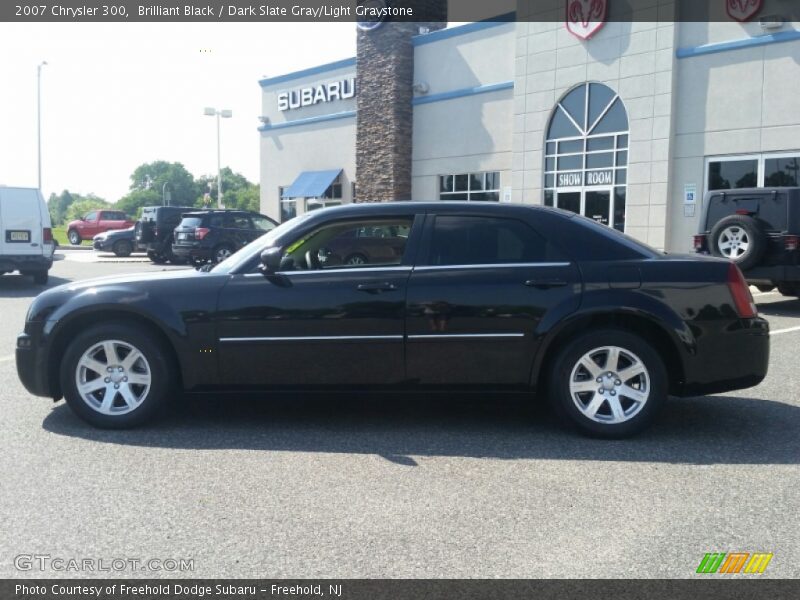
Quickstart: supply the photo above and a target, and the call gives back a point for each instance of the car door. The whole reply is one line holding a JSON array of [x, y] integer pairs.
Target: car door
[[88, 225], [476, 299], [316, 322]]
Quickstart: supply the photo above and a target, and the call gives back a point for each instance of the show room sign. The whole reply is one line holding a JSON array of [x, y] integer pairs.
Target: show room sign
[[317, 94], [578, 178]]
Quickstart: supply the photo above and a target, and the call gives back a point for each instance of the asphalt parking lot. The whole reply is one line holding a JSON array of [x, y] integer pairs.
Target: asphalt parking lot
[[443, 487]]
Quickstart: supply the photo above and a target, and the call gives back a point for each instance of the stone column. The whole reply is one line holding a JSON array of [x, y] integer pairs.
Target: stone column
[[384, 78]]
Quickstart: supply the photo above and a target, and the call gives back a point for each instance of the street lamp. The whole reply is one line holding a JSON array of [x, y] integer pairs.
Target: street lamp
[[225, 114], [39, 118], [165, 197]]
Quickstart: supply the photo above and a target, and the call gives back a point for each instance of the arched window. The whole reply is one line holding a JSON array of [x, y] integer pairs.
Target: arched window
[[586, 155]]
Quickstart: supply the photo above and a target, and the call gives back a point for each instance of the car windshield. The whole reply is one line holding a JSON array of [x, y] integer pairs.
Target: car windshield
[[255, 248]]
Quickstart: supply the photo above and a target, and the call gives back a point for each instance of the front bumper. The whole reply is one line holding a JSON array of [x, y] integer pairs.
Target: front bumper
[[32, 368], [22, 262], [734, 358]]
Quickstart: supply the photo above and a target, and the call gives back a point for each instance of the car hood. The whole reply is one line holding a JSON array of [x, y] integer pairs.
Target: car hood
[[130, 285]]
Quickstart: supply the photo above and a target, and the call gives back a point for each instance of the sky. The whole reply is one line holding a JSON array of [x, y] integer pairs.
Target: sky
[[116, 95]]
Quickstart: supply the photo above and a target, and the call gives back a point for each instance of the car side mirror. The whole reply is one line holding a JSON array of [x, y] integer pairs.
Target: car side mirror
[[271, 260]]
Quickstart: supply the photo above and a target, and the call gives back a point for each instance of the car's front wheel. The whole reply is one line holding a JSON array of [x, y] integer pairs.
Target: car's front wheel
[[608, 383], [74, 237], [115, 376], [123, 248]]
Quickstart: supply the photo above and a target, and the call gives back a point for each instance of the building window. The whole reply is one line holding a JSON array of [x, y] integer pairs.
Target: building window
[[288, 205], [330, 197], [753, 170], [586, 155], [470, 186]]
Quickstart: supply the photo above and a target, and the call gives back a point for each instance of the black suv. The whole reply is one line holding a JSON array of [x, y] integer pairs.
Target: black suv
[[154, 231], [759, 230], [215, 235]]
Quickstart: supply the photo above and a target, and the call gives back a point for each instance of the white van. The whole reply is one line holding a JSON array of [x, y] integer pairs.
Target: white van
[[26, 237]]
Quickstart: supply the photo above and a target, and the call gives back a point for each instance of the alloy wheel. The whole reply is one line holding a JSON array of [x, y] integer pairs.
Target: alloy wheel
[[609, 385], [113, 377], [733, 242]]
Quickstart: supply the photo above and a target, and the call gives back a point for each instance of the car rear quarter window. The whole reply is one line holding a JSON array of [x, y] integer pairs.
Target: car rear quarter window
[[478, 240]]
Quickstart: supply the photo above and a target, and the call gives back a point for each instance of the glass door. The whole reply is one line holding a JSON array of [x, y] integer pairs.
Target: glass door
[[569, 200], [597, 206]]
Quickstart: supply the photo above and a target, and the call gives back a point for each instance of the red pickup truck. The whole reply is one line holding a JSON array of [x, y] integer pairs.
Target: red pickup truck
[[94, 222]]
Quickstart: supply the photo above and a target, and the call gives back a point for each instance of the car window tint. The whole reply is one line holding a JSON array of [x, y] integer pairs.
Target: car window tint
[[215, 221], [462, 240], [262, 223], [90, 216], [352, 244], [191, 222]]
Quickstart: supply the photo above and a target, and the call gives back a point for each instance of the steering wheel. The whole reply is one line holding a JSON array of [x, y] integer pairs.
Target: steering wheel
[[312, 260]]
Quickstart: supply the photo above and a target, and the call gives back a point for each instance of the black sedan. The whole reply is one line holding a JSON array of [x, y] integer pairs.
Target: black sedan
[[119, 241], [483, 296]]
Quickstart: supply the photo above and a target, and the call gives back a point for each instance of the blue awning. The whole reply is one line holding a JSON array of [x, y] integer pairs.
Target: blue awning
[[311, 184]]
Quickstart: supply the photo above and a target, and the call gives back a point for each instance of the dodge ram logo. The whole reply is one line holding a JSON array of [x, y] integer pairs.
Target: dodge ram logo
[[586, 17], [742, 10]]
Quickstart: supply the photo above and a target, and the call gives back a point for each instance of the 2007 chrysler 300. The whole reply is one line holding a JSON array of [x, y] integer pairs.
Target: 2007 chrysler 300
[[479, 296]]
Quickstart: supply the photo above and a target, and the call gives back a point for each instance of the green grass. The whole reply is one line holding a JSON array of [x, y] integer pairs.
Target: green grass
[[60, 235]]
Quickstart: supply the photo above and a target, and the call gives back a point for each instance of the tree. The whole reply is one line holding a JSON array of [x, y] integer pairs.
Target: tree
[[152, 176], [237, 191], [58, 206], [133, 202]]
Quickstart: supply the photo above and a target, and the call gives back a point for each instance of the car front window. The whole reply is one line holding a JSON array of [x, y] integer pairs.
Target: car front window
[[235, 261]]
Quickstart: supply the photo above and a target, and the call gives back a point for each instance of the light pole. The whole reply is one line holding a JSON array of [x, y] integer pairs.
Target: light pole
[[164, 198], [39, 118], [225, 114]]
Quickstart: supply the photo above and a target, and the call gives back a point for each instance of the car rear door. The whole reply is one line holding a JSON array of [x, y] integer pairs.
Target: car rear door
[[478, 298]]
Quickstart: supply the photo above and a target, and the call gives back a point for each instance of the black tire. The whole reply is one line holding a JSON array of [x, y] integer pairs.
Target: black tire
[[219, 253], [160, 366], [789, 289], [654, 382], [765, 288], [40, 277], [356, 259], [156, 258], [122, 248], [755, 237], [198, 262], [74, 237]]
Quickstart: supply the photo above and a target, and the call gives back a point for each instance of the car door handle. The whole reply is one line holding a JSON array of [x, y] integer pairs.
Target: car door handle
[[375, 288], [545, 283]]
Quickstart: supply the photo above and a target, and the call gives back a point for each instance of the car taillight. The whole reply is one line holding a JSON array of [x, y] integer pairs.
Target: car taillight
[[699, 242], [201, 232], [47, 234], [740, 291], [791, 242]]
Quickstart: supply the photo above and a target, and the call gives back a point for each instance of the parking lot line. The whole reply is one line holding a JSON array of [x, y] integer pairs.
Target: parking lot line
[[787, 330], [6, 358]]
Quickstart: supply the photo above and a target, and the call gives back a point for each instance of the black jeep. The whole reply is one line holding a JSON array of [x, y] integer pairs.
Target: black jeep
[[759, 230], [154, 231]]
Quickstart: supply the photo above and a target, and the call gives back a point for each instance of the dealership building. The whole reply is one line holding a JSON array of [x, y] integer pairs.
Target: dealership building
[[628, 122]]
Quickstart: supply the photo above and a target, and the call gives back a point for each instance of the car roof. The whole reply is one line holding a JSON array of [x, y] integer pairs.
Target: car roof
[[379, 208]]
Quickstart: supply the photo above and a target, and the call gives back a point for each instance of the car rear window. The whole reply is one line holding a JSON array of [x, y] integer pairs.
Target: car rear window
[[191, 221], [769, 209]]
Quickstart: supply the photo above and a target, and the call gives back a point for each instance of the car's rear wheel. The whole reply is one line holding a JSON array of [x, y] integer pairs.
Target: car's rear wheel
[[74, 237], [40, 277], [221, 252], [789, 289], [115, 376], [156, 258], [608, 383], [765, 288], [740, 239], [122, 248]]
